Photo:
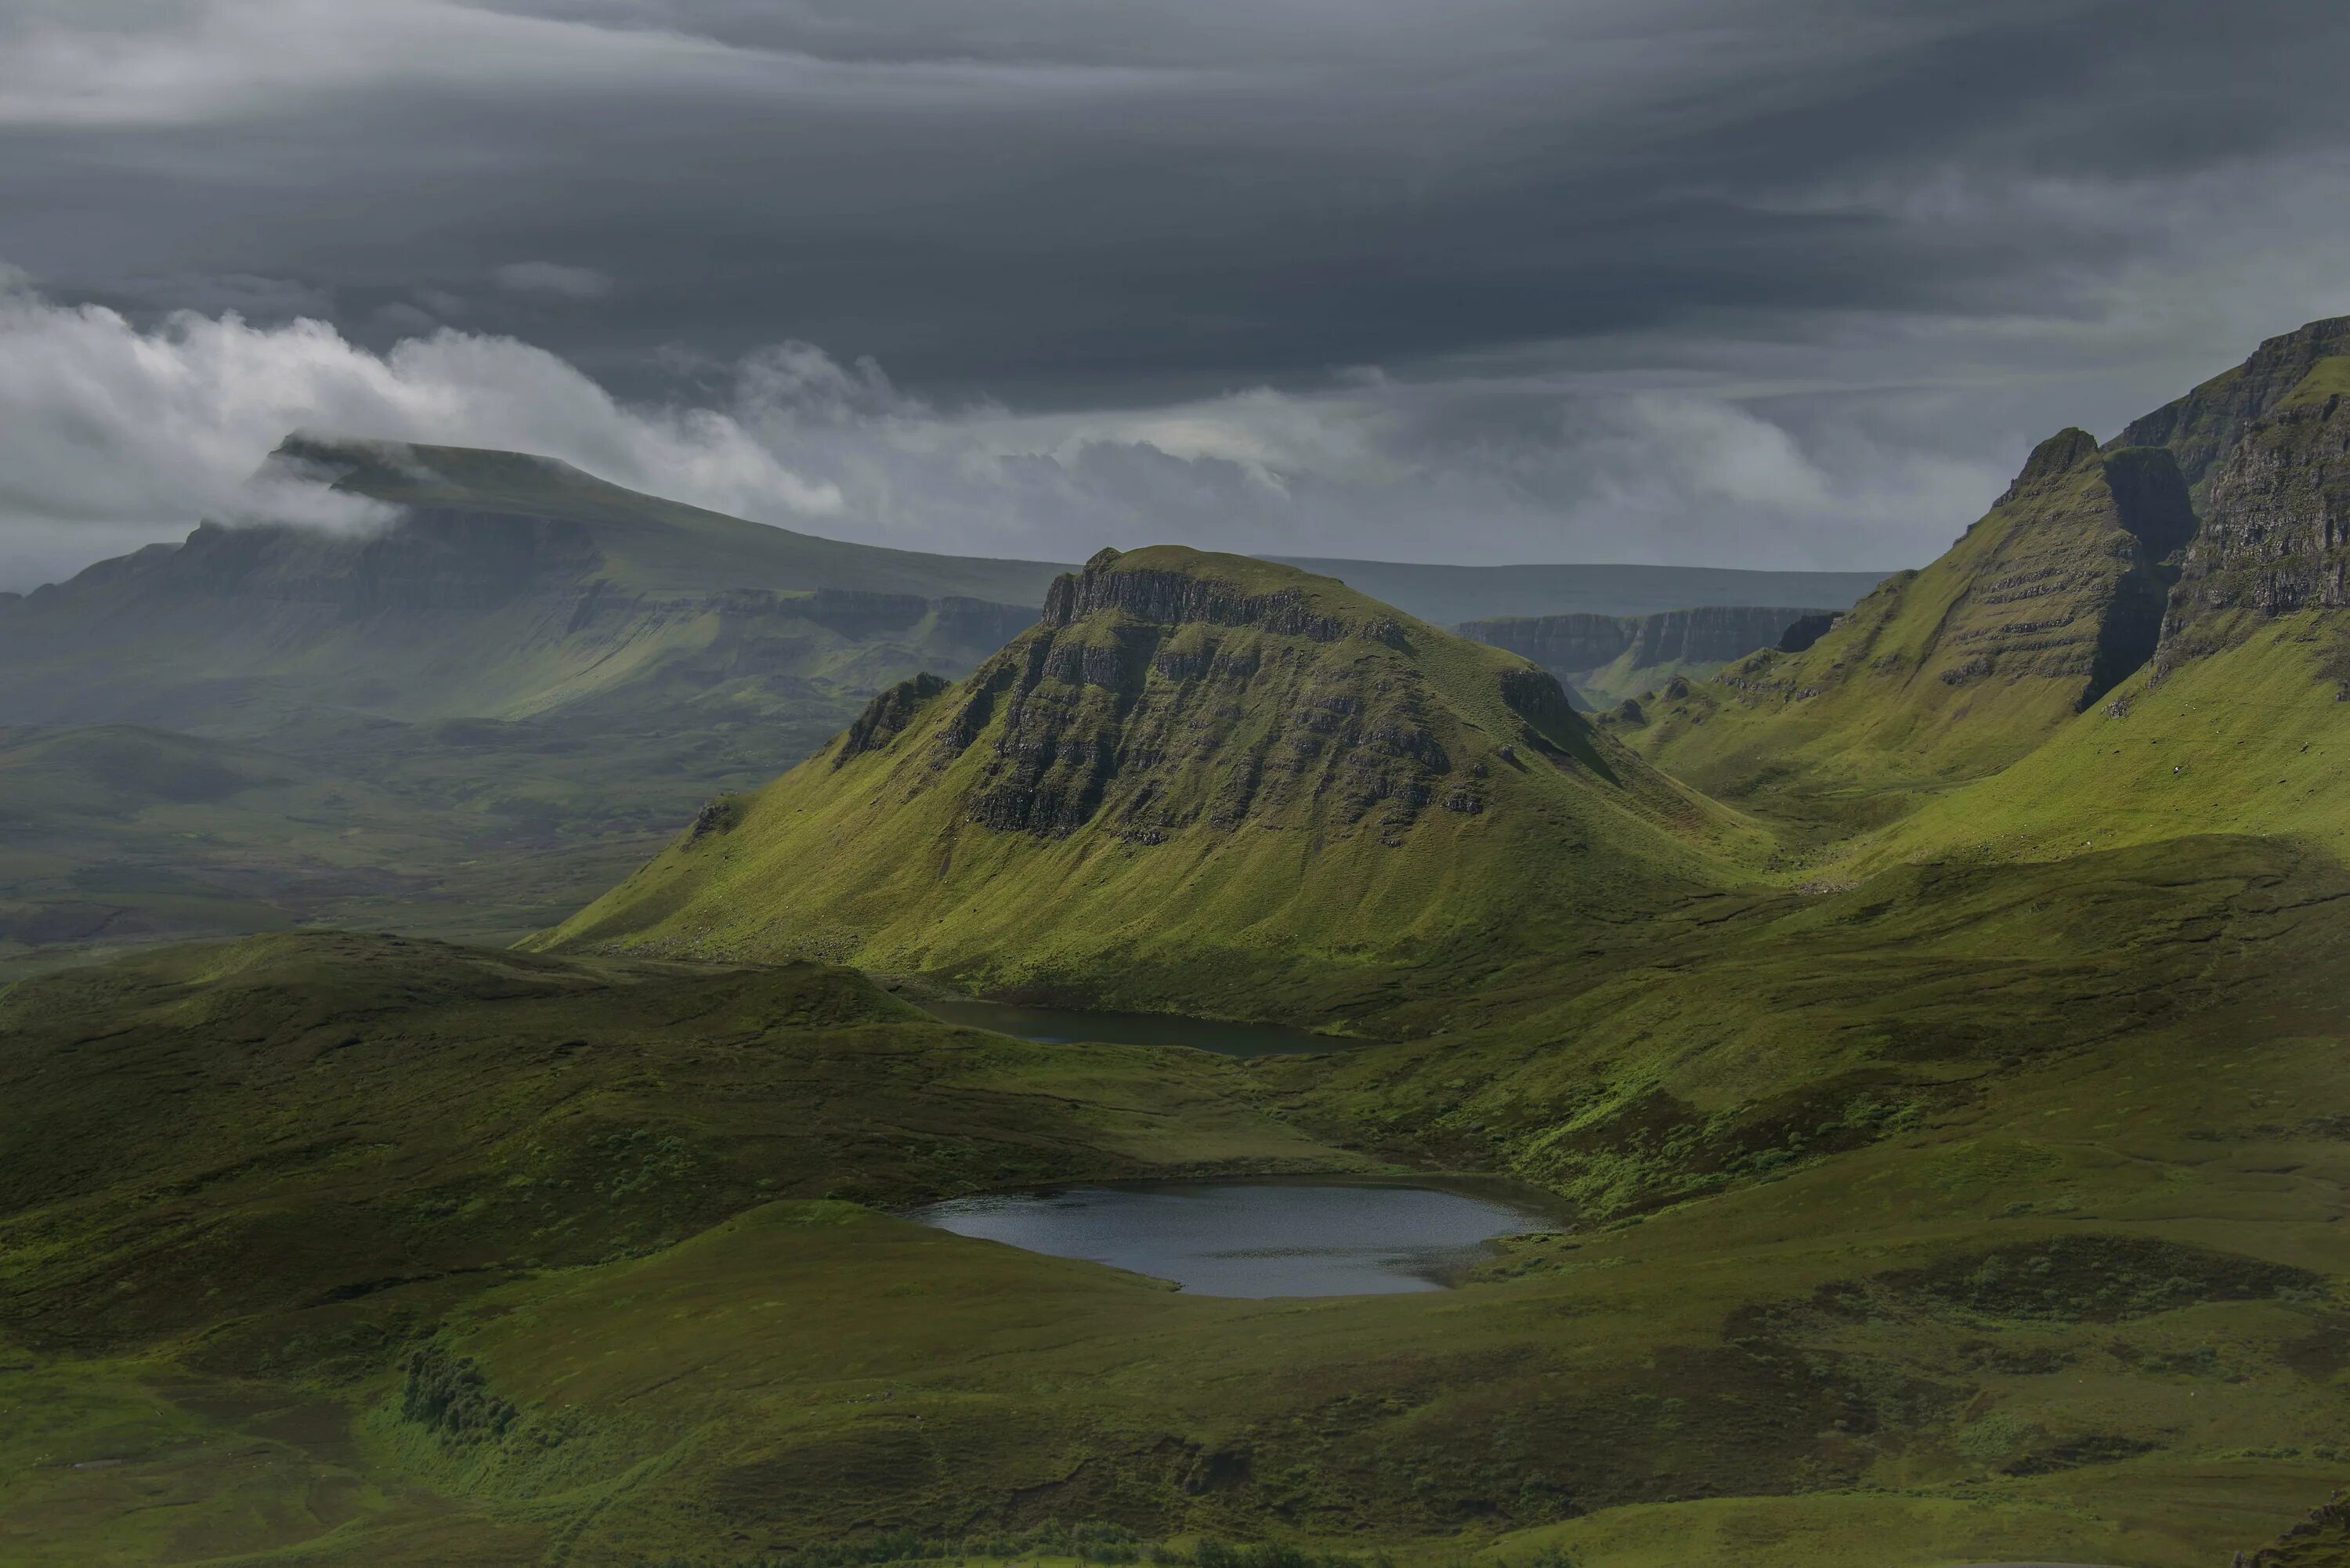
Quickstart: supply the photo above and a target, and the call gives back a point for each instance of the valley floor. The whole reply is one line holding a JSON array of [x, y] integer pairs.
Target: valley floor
[[2043, 1263]]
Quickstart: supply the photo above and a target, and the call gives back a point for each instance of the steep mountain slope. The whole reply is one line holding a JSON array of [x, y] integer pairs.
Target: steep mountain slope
[[2275, 537], [1955, 670], [1609, 658], [2203, 427], [2236, 723], [1448, 595], [1200, 778]]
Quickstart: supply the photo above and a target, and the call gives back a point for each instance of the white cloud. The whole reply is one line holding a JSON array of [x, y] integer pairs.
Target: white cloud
[[105, 424], [110, 433]]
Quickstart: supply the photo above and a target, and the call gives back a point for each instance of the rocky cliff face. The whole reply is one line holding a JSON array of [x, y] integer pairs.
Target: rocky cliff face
[[1149, 698], [2276, 532], [887, 716], [1173, 598], [2072, 584], [2203, 427], [1567, 645]]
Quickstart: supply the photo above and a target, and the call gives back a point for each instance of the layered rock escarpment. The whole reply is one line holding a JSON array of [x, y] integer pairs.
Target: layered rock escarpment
[[2045, 604], [887, 716], [2071, 581], [1175, 598], [2275, 537], [1151, 698], [1578, 646], [2202, 429]]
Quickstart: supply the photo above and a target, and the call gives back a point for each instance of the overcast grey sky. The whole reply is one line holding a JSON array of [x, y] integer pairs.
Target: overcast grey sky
[[1729, 282]]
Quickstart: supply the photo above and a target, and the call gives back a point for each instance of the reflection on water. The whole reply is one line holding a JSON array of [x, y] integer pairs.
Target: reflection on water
[[1231, 1239], [1064, 1025]]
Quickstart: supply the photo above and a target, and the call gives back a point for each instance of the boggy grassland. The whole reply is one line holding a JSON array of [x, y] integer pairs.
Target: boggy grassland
[[1944, 1104]]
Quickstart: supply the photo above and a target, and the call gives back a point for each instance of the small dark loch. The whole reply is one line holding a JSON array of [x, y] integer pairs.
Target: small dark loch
[[1066, 1026]]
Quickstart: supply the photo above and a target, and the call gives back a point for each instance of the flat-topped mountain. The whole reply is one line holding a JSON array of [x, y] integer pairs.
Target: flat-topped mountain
[[1195, 770], [506, 585], [463, 720]]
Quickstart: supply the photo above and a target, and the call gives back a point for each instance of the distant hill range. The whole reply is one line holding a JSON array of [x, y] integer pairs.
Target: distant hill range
[[511, 586], [1450, 596], [1607, 658], [468, 720]]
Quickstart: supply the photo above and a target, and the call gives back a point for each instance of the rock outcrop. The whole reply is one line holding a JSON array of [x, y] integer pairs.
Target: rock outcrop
[[1150, 698], [1803, 631], [2275, 537], [1174, 599], [2320, 1539], [887, 716], [2203, 427]]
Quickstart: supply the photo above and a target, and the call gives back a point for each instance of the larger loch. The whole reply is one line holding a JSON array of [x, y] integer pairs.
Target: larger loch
[[1316, 1238]]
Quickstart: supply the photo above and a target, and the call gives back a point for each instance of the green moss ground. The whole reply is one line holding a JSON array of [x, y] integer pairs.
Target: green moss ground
[[2067, 1273]]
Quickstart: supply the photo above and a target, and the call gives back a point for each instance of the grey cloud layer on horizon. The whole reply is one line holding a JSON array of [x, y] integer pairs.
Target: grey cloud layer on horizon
[[1743, 282]]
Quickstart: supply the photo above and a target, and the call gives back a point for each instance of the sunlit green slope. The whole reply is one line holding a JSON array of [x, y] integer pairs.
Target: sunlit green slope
[[1201, 776], [1955, 670]]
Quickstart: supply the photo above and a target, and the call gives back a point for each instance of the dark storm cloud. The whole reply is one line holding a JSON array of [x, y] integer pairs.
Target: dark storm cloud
[[1900, 238]]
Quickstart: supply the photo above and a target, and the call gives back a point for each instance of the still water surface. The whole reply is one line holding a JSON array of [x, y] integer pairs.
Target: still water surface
[[1066, 1026], [1236, 1239]]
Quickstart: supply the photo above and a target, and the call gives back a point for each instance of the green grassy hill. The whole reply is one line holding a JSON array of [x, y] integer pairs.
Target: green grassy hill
[[1959, 668], [1200, 778]]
